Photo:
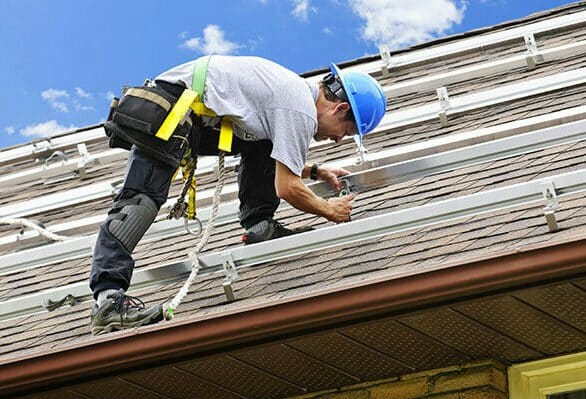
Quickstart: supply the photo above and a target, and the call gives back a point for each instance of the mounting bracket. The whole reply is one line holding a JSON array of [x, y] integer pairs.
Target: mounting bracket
[[551, 204], [83, 160], [444, 100], [385, 56], [231, 274], [532, 56]]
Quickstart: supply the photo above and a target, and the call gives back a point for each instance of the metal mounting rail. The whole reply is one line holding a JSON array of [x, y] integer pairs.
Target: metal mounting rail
[[342, 234], [392, 222], [389, 121], [82, 246], [395, 166], [70, 168], [379, 172], [51, 144], [76, 167], [525, 59], [484, 69], [468, 102], [426, 54], [372, 160], [80, 195], [460, 104]]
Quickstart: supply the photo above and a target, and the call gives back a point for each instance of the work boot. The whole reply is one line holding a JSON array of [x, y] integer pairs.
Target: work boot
[[268, 229], [121, 311]]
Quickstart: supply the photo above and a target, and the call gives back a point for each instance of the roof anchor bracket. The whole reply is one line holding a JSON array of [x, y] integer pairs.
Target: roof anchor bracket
[[53, 305], [83, 160], [231, 274], [551, 204], [361, 150], [385, 56], [532, 56], [444, 100]]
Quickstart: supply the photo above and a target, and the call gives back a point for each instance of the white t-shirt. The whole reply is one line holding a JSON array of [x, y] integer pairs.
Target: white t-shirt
[[263, 99]]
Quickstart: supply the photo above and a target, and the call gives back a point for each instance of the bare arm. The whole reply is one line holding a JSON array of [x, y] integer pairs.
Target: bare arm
[[327, 174], [291, 188]]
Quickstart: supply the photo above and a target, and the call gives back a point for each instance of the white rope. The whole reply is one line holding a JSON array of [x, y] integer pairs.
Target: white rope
[[42, 231], [202, 242]]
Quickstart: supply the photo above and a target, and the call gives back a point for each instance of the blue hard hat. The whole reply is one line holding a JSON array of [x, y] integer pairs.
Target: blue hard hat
[[366, 98]]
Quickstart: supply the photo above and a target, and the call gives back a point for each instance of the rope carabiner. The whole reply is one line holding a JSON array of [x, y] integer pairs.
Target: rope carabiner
[[189, 230]]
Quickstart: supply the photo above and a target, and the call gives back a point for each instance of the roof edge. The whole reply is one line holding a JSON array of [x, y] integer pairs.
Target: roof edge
[[530, 266]]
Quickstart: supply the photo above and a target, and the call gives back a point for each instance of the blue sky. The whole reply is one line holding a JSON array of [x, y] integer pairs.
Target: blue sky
[[62, 60]]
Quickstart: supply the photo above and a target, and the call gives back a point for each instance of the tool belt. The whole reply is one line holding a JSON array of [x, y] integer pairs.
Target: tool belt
[[157, 118], [136, 119]]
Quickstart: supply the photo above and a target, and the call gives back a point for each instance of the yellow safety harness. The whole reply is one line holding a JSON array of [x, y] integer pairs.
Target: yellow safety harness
[[190, 101]]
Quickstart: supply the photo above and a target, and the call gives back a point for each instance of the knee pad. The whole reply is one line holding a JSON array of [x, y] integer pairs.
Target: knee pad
[[130, 219]]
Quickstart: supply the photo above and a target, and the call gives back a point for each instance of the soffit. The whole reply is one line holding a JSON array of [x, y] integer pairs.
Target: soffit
[[512, 327]]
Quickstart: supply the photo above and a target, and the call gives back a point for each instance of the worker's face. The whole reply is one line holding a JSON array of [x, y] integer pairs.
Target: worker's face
[[333, 125]]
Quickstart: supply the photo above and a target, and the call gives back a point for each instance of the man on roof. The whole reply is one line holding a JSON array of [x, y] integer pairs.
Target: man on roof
[[274, 114]]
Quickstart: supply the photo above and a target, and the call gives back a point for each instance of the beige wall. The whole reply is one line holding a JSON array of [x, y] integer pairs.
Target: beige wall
[[478, 380]]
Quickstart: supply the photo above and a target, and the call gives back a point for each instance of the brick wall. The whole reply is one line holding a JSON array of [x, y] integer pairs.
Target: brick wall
[[478, 380]]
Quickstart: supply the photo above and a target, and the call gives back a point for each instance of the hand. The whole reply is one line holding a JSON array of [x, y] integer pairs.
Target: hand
[[331, 175], [341, 208]]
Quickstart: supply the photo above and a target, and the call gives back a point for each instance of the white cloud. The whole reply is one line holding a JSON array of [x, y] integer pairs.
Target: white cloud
[[494, 3], [301, 9], [10, 130], [109, 95], [45, 129], [54, 96], [81, 107], [400, 23], [82, 93], [213, 42]]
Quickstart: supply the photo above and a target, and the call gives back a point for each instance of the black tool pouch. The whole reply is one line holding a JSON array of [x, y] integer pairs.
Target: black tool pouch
[[136, 118]]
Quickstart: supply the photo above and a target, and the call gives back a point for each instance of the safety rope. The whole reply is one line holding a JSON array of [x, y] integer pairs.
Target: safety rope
[[169, 312], [41, 230]]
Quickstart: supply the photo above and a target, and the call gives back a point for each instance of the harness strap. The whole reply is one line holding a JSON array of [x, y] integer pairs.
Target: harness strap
[[191, 99], [200, 73], [177, 113]]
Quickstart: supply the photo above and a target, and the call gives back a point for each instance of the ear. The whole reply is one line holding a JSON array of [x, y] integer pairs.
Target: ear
[[341, 108]]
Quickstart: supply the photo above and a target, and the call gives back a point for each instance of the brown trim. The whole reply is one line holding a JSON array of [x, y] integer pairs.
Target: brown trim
[[172, 340]]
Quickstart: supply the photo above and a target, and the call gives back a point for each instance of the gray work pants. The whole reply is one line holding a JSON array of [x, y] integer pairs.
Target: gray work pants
[[112, 264]]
